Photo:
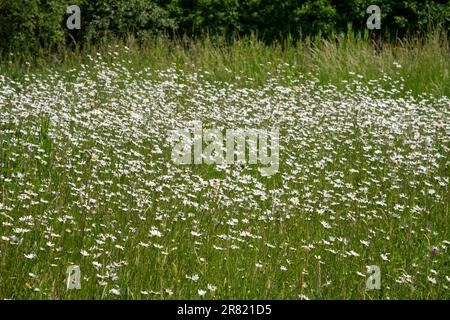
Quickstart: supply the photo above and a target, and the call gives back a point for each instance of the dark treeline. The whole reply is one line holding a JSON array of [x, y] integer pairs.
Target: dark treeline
[[40, 24]]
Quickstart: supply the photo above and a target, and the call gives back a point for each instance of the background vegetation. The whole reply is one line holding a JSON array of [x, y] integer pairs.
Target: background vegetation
[[40, 24]]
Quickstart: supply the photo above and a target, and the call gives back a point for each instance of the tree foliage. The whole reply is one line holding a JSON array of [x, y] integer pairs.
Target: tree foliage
[[36, 24]]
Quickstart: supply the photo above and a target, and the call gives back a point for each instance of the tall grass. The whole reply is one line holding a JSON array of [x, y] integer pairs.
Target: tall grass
[[422, 61]]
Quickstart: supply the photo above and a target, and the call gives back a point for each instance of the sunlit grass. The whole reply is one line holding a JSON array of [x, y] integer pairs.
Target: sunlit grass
[[86, 176]]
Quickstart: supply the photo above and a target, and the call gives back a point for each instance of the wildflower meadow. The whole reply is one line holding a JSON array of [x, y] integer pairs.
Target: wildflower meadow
[[227, 169]]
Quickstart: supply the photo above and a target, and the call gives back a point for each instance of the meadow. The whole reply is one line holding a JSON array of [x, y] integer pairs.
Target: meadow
[[86, 176]]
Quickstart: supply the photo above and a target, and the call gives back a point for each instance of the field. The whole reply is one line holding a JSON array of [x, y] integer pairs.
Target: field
[[87, 179]]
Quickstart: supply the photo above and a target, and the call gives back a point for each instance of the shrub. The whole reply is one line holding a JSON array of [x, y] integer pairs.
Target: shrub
[[37, 24], [29, 25], [103, 18]]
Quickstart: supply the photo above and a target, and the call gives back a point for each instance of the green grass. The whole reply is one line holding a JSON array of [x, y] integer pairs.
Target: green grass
[[424, 60], [86, 174]]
